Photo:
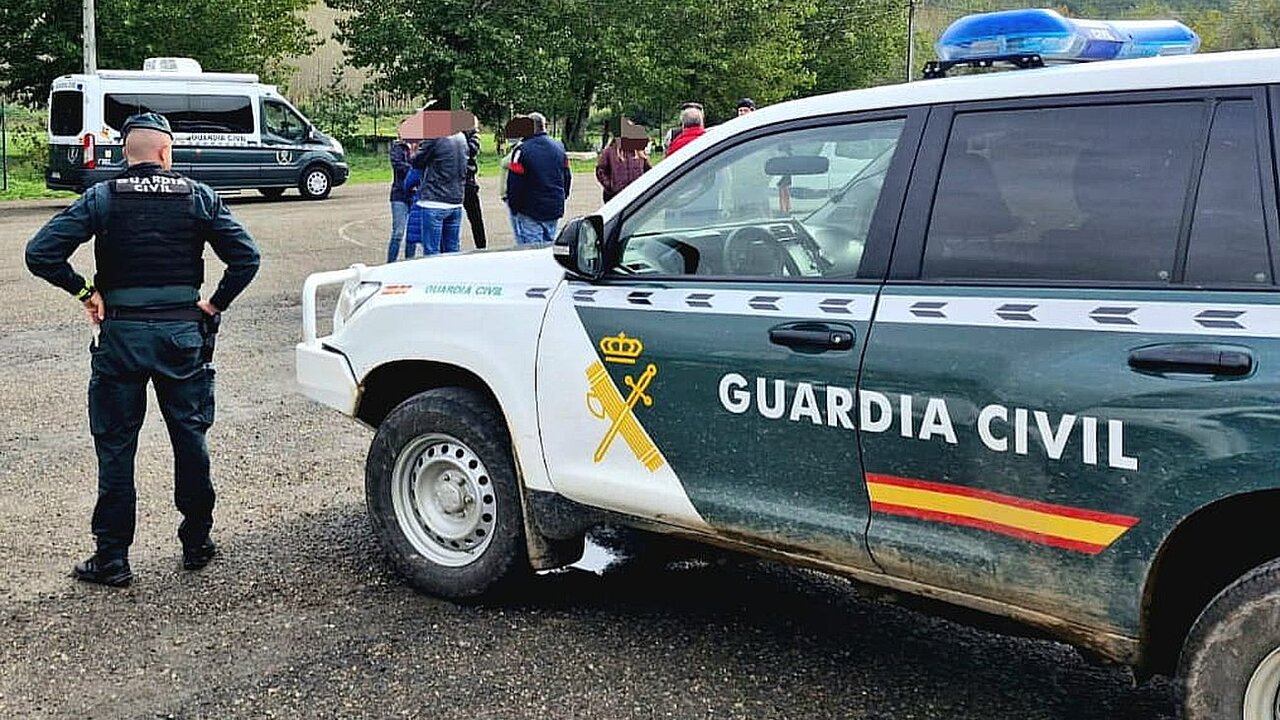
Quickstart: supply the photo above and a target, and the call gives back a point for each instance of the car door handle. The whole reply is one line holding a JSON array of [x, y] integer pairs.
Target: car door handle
[[812, 336], [1228, 360]]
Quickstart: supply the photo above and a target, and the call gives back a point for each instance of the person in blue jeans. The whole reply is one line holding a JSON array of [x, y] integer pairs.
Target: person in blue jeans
[[537, 185], [442, 163], [400, 200], [413, 223]]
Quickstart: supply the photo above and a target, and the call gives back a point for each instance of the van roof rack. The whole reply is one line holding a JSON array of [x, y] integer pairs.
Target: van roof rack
[[1023, 61]]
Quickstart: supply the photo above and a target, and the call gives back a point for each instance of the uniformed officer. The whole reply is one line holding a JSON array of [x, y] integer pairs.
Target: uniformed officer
[[150, 225]]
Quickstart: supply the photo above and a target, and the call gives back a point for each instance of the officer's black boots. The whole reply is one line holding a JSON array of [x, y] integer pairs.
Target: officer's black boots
[[115, 573], [195, 558]]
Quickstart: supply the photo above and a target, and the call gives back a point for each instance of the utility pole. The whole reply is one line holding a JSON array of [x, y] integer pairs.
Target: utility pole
[[4, 149], [910, 37], [90, 39]]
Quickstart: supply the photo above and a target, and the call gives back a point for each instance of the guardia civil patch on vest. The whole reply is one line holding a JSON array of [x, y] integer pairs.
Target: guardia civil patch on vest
[[152, 185]]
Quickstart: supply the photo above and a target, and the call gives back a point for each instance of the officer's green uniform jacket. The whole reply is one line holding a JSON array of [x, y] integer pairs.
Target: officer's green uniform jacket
[[49, 251]]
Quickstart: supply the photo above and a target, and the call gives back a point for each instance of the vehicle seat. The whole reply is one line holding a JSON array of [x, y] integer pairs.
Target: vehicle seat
[[969, 213]]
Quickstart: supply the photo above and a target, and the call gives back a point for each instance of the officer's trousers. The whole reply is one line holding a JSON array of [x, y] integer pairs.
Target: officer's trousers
[[167, 353]]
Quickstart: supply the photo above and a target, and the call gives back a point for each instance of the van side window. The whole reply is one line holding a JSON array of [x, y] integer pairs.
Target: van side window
[[1228, 233], [231, 114], [279, 120], [1074, 193], [116, 108]]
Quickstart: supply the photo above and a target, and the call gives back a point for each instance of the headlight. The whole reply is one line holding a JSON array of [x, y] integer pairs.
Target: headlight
[[337, 147], [354, 294]]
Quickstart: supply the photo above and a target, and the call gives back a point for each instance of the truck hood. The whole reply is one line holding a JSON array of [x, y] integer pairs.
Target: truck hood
[[533, 266]]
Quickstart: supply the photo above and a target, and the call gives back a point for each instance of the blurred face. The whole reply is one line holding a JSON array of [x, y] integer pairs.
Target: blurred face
[[743, 111]]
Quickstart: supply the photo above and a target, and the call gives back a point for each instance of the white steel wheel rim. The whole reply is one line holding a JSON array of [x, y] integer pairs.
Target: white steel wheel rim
[[317, 182], [1262, 695], [444, 500]]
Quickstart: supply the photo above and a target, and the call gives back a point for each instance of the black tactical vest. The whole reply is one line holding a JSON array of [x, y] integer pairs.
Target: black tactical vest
[[151, 237]]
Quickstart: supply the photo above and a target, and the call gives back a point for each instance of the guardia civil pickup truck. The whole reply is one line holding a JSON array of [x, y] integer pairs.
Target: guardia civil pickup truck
[[1023, 357]]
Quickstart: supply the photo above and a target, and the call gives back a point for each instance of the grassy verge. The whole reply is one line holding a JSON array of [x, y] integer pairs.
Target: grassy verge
[[26, 152], [29, 186]]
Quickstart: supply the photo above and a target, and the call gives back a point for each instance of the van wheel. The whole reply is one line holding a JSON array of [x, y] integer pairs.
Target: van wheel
[[316, 182], [1230, 664], [442, 493], [271, 193]]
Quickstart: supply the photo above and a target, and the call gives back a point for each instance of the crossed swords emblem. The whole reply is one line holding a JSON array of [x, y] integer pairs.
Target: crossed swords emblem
[[605, 402]]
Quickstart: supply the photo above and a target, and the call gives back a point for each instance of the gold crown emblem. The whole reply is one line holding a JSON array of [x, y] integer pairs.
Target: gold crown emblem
[[621, 349]]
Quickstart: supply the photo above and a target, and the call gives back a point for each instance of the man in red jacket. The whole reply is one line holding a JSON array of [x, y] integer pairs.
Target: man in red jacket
[[692, 122]]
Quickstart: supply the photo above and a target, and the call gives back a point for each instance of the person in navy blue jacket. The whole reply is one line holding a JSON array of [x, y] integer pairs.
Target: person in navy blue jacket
[[537, 185], [400, 200]]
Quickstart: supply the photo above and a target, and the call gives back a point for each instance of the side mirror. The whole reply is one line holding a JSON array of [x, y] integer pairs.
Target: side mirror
[[580, 247]]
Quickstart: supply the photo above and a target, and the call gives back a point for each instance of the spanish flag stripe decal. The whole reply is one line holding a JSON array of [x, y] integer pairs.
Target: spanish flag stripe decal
[[1044, 523]]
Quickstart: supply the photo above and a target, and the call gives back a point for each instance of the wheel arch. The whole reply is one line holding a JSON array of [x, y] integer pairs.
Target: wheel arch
[[390, 384], [1204, 553]]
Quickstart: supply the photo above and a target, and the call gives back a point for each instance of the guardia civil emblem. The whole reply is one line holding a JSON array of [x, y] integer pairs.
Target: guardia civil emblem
[[605, 402]]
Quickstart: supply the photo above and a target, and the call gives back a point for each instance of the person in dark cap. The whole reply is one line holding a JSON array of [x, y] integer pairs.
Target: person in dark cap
[[149, 227], [746, 105]]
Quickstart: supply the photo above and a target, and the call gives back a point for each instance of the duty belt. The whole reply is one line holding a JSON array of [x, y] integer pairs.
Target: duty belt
[[193, 313]]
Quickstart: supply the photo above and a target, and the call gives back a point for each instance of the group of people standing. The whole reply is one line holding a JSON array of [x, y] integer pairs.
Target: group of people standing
[[430, 189], [435, 184]]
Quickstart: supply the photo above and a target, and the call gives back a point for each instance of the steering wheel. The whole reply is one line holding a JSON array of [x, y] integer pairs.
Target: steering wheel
[[753, 250]]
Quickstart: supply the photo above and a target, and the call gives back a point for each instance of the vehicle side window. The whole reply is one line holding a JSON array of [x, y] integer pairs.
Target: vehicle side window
[[1075, 193], [231, 114], [118, 107], [1228, 232], [283, 122], [793, 204]]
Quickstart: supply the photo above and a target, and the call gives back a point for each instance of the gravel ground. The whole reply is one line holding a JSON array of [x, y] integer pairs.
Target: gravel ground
[[301, 617]]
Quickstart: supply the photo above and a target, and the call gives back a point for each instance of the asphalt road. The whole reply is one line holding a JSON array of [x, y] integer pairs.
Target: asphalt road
[[301, 616]]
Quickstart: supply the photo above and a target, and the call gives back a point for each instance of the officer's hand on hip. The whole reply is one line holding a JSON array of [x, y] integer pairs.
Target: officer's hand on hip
[[95, 308], [207, 307]]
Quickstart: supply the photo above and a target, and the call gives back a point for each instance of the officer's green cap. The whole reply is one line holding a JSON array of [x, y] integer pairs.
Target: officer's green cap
[[146, 121]]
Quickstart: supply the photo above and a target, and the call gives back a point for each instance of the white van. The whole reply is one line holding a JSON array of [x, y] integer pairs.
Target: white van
[[230, 131]]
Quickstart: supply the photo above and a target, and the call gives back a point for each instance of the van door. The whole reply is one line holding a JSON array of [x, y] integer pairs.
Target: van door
[[284, 136], [67, 105], [709, 380], [1070, 354], [220, 128]]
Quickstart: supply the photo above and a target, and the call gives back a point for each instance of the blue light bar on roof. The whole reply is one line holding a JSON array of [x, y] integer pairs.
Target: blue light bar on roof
[[1151, 38], [1056, 38]]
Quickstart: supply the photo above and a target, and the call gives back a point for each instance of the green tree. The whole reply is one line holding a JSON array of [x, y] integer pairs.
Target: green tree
[[1252, 24], [564, 57], [41, 39]]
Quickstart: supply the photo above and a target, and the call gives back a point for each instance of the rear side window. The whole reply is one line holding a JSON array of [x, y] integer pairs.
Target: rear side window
[[1074, 193], [116, 108], [66, 112], [218, 114], [1228, 231]]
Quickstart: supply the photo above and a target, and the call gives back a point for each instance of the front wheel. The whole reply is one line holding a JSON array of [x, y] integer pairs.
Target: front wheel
[[442, 493], [1230, 665], [315, 183]]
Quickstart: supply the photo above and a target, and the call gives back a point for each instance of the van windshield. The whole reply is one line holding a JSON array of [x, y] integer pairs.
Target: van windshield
[[66, 113]]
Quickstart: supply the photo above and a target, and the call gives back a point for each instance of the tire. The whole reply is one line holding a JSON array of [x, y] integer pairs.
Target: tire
[[1230, 663], [442, 493], [271, 193], [316, 182]]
